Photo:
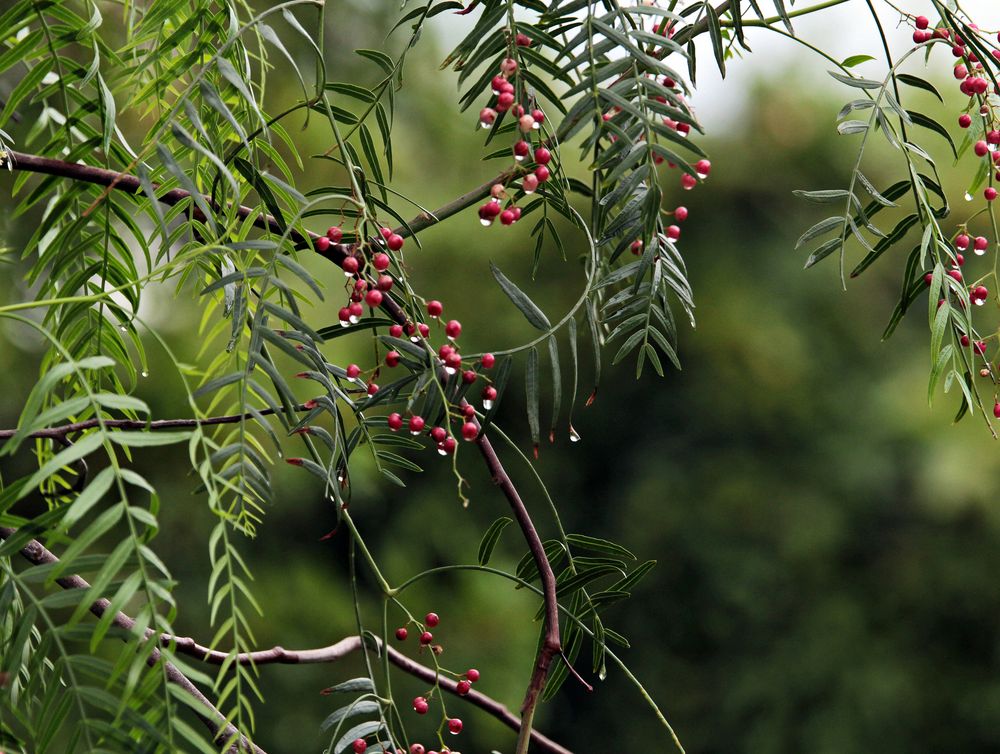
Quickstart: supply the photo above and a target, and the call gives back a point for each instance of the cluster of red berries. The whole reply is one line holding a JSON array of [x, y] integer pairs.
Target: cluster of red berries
[[504, 93], [969, 71]]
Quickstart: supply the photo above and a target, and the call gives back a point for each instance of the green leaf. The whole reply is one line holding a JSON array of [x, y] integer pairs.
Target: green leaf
[[491, 537], [527, 307], [531, 394], [854, 60]]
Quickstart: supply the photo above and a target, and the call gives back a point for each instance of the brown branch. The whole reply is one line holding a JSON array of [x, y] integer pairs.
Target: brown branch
[[221, 730], [61, 431], [344, 647]]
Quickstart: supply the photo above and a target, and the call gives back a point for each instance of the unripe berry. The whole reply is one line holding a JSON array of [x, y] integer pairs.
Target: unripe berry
[[542, 173], [455, 726], [401, 633], [529, 183], [470, 431], [472, 674], [508, 67], [542, 156], [373, 298], [416, 424], [488, 360], [392, 359], [322, 244], [464, 687], [438, 434], [334, 233], [353, 370], [453, 329], [525, 123], [395, 423], [350, 265], [394, 242], [497, 191], [434, 308]]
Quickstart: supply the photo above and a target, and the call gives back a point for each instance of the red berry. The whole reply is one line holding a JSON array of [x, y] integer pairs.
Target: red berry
[[455, 726], [396, 422], [996, 410], [681, 214], [344, 315], [453, 329], [928, 278], [673, 232], [542, 156], [522, 40], [463, 687], [990, 193], [447, 446], [507, 217], [956, 275], [981, 292], [470, 431], [381, 261], [964, 121], [416, 423], [445, 351], [353, 370], [468, 376], [416, 749], [489, 393], [359, 746], [922, 22], [356, 309], [688, 181], [384, 283], [423, 329], [979, 347], [402, 633], [420, 705], [964, 340], [521, 148], [469, 410], [504, 101], [334, 233], [392, 359], [453, 360], [529, 183], [432, 619], [704, 167], [981, 243], [542, 173], [438, 434], [488, 360], [959, 259], [981, 148], [426, 638], [472, 674], [350, 265], [373, 298], [496, 84], [487, 116], [322, 244], [636, 246], [394, 242], [434, 308], [962, 242], [396, 331], [385, 232], [372, 388]]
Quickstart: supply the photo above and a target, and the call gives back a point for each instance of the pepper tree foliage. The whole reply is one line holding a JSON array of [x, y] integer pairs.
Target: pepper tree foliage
[[198, 192]]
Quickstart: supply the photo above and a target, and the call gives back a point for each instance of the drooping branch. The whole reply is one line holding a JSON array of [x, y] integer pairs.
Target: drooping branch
[[346, 646], [61, 431], [221, 730]]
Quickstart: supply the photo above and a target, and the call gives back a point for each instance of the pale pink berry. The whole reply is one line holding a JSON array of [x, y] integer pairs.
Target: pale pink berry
[[487, 117], [508, 67], [529, 183]]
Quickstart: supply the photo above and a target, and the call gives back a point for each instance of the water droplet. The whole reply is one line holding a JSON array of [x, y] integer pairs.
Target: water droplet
[[354, 319], [526, 191], [980, 252], [519, 158], [485, 223], [450, 370], [968, 196], [979, 301], [442, 451], [702, 176], [145, 373], [344, 324], [487, 404], [484, 124], [574, 436], [414, 339], [123, 328], [348, 274]]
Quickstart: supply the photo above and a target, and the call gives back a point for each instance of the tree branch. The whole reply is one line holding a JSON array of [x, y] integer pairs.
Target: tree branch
[[344, 647], [61, 431], [35, 552]]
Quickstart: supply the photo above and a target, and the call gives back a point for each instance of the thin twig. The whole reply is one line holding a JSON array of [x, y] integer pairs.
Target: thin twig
[[346, 646], [220, 728]]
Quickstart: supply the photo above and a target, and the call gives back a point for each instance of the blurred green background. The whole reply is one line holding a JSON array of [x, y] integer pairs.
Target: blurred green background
[[827, 545]]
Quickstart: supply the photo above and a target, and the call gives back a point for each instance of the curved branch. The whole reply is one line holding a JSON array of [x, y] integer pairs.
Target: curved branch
[[339, 650], [35, 552]]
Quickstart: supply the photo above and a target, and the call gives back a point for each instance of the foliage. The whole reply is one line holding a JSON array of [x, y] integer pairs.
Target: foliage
[[166, 163]]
